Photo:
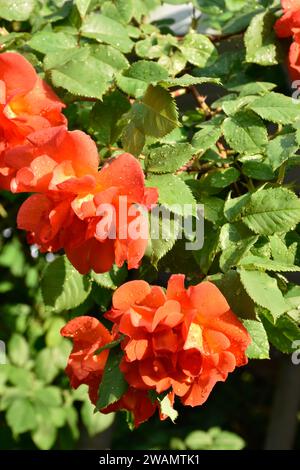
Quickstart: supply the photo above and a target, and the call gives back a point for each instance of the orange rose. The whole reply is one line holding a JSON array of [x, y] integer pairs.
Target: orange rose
[[27, 104], [185, 340], [67, 216], [84, 367], [289, 26]]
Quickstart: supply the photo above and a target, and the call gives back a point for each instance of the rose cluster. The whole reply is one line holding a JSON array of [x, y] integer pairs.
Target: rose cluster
[[177, 343], [39, 155], [289, 26]]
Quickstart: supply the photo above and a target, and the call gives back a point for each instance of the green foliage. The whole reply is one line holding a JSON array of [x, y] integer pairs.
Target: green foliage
[[245, 132], [18, 10], [276, 107], [264, 291], [172, 190], [62, 286], [155, 115], [260, 40], [113, 384], [213, 439], [259, 348], [168, 158]]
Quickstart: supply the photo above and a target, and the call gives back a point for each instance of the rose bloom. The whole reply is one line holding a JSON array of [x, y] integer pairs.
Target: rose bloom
[[289, 26], [184, 340], [27, 104], [70, 215], [286, 25], [86, 367], [54, 159]]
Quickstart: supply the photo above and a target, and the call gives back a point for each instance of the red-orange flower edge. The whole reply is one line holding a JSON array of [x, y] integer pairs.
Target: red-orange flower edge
[[179, 342], [289, 26], [39, 155]]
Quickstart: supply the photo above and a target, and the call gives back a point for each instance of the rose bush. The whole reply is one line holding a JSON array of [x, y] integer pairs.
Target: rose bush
[[93, 126]]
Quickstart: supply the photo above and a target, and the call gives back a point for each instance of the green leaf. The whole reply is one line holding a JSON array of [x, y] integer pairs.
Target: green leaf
[[198, 50], [95, 423], [18, 350], [136, 79], [236, 240], [167, 228], [188, 80], [120, 10], [70, 77], [105, 117], [280, 252], [258, 169], [259, 348], [260, 40], [16, 10], [281, 149], [82, 6], [283, 334], [57, 59], [48, 41], [213, 209], [166, 408], [113, 384], [44, 435], [48, 396], [233, 206], [110, 345], [232, 106], [214, 439], [53, 336], [232, 288], [254, 88], [206, 137], [155, 115], [19, 377], [109, 56], [133, 139], [214, 181], [155, 46], [245, 132], [169, 158], [272, 210], [207, 254], [174, 63], [104, 29], [252, 262], [239, 22], [20, 416], [264, 290], [173, 193], [275, 107], [112, 279], [63, 288], [198, 440], [45, 367]]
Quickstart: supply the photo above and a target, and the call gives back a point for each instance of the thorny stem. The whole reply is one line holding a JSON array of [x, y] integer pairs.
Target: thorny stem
[[200, 100], [222, 150]]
